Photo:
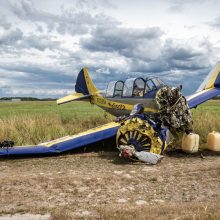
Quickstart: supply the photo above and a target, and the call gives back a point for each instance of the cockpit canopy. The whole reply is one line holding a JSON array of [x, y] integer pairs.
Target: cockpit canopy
[[133, 87], [115, 89]]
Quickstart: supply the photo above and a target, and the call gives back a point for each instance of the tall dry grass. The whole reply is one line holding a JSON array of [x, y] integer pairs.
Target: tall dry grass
[[33, 129], [205, 122]]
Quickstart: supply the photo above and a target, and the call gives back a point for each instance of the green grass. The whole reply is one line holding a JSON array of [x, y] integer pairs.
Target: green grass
[[70, 110], [34, 122], [207, 118]]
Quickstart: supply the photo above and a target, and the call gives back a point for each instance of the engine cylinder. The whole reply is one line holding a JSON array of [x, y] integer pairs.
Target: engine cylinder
[[140, 134]]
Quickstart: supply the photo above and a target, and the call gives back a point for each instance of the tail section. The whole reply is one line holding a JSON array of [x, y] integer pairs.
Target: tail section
[[209, 88], [212, 80], [84, 83], [84, 89]]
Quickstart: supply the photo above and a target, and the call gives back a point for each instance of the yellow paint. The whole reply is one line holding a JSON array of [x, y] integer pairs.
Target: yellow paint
[[144, 129], [135, 132], [97, 99], [126, 136], [139, 137], [123, 141], [91, 87], [70, 98], [210, 83], [103, 102], [100, 128]]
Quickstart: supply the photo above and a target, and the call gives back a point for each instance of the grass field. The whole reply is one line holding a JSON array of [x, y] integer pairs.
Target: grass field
[[207, 118], [34, 122], [100, 185]]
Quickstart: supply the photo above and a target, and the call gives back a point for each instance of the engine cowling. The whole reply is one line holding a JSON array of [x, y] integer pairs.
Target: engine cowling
[[142, 133]]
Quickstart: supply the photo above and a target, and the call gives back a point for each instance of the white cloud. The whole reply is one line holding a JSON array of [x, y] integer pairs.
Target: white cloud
[[44, 44]]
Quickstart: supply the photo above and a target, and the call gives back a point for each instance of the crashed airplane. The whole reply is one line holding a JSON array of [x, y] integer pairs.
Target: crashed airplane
[[148, 114]]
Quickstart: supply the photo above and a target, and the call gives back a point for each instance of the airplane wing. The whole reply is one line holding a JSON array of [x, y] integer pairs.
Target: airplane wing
[[73, 97], [65, 143], [208, 89], [202, 96]]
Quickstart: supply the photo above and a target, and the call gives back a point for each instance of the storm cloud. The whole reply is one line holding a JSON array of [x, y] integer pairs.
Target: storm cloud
[[43, 46]]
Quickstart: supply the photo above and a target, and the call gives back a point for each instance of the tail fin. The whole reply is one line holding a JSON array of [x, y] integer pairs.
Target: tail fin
[[208, 89], [84, 83], [212, 80], [84, 89]]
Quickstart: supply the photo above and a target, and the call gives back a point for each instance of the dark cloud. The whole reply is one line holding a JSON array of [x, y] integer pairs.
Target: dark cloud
[[156, 66], [40, 42], [145, 50], [37, 73], [179, 52], [4, 23], [183, 56], [70, 21], [45, 58], [10, 37], [17, 40], [116, 38], [5, 90], [128, 42], [26, 79], [177, 62]]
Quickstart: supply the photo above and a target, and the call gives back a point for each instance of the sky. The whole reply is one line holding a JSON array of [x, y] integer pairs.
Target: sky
[[45, 43]]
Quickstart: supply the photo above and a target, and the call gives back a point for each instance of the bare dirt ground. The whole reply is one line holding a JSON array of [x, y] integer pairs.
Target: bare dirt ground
[[102, 186]]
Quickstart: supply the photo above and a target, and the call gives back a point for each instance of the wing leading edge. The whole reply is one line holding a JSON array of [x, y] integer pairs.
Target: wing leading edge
[[200, 97], [208, 89], [73, 97], [66, 143]]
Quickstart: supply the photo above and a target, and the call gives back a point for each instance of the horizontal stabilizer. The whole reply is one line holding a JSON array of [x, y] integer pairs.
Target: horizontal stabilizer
[[66, 143], [73, 97]]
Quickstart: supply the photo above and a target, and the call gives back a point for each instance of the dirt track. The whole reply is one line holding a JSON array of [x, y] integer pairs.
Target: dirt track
[[103, 186]]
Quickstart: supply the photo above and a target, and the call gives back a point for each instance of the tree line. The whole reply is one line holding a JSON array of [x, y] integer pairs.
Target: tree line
[[27, 99]]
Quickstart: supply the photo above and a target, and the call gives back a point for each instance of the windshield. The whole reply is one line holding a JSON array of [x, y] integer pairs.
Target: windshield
[[138, 89], [110, 89], [118, 89], [128, 87]]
